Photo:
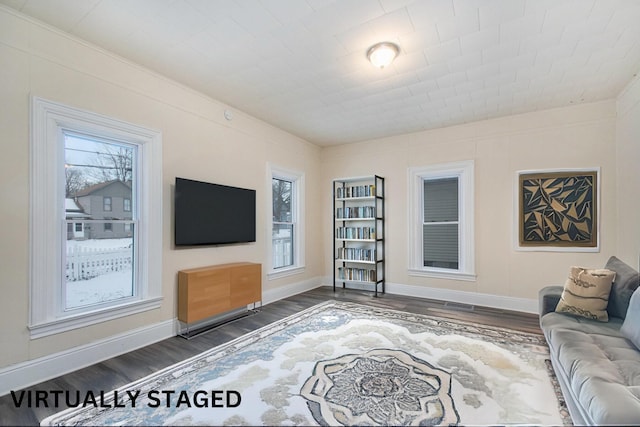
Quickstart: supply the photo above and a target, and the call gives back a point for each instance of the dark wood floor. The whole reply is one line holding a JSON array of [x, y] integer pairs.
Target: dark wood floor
[[121, 370]]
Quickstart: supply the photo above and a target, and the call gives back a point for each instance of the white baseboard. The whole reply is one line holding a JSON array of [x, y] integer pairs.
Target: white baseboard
[[485, 300], [35, 371], [273, 295]]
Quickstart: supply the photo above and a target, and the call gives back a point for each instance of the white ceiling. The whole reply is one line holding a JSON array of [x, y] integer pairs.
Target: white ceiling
[[301, 64]]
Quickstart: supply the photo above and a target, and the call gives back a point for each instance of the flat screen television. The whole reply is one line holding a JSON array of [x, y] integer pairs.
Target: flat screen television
[[213, 214]]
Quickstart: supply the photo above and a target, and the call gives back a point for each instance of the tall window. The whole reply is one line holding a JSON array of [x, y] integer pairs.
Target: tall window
[[99, 272], [287, 228], [98, 268], [441, 221], [283, 223]]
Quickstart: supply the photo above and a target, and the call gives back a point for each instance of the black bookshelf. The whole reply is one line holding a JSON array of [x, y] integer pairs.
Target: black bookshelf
[[359, 233]]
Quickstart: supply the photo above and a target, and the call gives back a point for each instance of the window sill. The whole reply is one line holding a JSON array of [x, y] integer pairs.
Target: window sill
[[69, 323], [443, 274], [285, 272]]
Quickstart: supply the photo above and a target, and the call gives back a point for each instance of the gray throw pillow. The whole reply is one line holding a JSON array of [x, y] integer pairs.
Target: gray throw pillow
[[631, 327], [625, 283]]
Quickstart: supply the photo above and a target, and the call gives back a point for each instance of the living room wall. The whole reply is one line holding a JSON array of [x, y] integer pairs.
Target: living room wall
[[581, 136], [628, 176], [198, 143]]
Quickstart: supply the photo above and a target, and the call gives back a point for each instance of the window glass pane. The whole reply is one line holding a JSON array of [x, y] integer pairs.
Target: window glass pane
[[441, 200], [99, 255], [440, 240], [282, 245], [282, 200], [440, 245], [98, 270]]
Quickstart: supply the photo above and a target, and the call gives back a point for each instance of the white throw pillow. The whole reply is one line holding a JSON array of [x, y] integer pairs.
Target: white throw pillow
[[586, 293]]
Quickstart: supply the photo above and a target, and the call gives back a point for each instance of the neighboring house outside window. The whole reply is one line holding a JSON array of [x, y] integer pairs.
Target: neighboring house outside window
[[97, 270], [92, 198], [441, 221], [286, 248], [73, 211]]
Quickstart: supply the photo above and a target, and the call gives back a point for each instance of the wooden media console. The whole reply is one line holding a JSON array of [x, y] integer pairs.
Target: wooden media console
[[206, 292]]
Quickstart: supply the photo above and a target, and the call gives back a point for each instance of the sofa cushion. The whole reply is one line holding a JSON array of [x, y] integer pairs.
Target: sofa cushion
[[626, 282], [586, 293], [631, 327], [554, 321]]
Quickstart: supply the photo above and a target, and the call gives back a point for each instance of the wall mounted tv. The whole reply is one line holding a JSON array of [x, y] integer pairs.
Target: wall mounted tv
[[213, 214]]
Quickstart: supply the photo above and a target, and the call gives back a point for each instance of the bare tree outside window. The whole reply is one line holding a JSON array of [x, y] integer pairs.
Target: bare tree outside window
[[113, 163], [74, 180], [281, 200], [88, 162]]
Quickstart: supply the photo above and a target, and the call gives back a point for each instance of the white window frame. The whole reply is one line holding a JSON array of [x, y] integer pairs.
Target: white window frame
[[464, 171], [297, 213], [48, 122]]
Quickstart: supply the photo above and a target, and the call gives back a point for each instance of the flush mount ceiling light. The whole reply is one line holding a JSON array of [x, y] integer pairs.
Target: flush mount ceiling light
[[382, 54]]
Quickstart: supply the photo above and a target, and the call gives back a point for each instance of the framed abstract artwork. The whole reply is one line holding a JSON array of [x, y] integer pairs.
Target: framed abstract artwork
[[558, 209]]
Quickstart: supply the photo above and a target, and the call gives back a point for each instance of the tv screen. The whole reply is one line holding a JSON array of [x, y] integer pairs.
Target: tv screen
[[213, 214]]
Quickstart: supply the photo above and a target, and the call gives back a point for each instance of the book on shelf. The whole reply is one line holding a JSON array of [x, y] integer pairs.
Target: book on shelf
[[356, 254], [347, 192], [356, 274], [367, 233], [356, 212]]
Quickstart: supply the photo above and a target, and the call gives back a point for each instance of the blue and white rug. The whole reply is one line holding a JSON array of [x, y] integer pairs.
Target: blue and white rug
[[341, 363]]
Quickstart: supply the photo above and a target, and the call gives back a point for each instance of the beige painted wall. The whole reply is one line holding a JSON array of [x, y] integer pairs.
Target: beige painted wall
[[580, 136], [628, 178], [198, 143]]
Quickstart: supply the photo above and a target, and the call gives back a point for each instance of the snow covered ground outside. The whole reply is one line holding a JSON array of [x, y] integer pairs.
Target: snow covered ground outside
[[105, 287], [101, 243]]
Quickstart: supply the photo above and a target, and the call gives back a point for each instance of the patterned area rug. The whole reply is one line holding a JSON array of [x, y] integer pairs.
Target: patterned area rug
[[341, 363]]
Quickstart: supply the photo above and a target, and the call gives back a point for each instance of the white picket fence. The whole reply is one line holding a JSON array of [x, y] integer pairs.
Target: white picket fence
[[86, 263], [282, 255]]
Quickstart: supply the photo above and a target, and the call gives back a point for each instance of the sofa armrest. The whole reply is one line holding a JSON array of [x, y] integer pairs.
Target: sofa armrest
[[548, 298]]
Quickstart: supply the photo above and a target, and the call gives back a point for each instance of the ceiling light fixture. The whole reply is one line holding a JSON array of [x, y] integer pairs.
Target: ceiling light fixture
[[383, 54]]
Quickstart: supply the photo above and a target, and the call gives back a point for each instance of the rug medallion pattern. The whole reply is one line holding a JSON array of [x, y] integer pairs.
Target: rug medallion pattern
[[341, 363], [380, 387]]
